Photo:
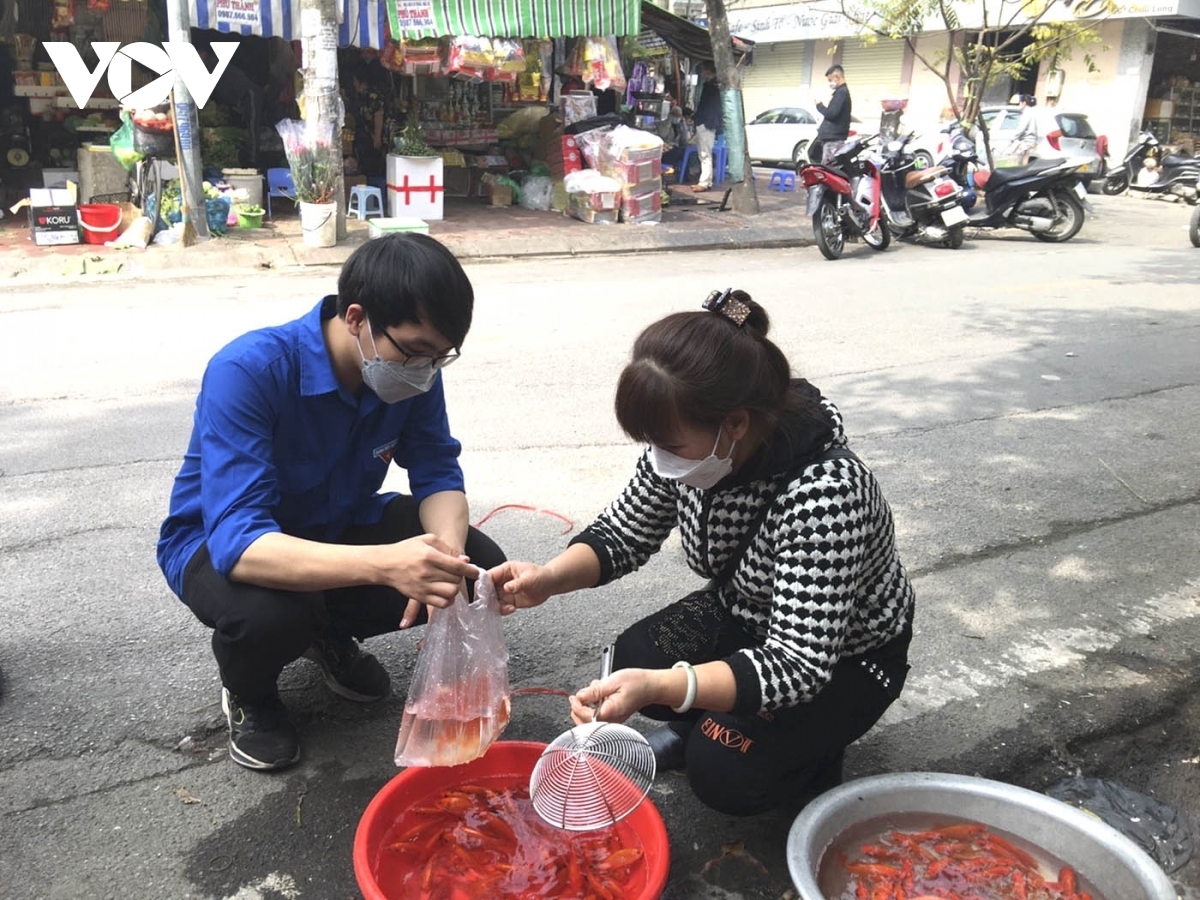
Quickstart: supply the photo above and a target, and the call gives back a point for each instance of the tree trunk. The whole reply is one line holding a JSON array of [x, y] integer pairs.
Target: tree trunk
[[318, 42], [743, 194], [187, 127]]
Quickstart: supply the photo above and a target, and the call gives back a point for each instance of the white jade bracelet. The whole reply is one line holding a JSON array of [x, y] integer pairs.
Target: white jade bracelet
[[690, 697]]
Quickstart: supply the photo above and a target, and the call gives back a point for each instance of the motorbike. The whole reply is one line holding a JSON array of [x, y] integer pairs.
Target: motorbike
[[1147, 171], [1047, 197], [845, 199], [922, 203]]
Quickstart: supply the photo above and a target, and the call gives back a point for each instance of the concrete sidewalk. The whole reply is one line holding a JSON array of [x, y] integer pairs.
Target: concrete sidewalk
[[471, 228]]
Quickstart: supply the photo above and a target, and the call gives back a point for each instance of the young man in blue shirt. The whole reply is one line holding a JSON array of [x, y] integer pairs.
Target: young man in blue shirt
[[278, 538]]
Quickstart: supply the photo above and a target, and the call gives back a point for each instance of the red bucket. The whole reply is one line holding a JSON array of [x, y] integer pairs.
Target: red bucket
[[507, 764], [100, 222]]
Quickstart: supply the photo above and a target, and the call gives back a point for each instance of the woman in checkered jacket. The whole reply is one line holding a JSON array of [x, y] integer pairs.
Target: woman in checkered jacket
[[799, 642]]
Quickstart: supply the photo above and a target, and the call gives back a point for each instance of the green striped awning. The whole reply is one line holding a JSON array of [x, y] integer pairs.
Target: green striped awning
[[413, 19]]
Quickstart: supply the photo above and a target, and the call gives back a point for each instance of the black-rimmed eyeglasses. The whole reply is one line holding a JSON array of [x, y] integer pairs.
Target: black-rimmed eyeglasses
[[417, 359]]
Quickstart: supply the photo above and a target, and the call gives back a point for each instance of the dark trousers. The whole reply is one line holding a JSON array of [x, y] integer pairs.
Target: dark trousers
[[747, 764], [257, 631]]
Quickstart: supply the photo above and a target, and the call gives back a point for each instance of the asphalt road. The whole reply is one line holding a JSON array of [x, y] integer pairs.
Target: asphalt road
[[1031, 410]]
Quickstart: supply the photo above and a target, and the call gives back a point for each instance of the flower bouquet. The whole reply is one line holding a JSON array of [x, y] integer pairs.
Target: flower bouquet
[[314, 157]]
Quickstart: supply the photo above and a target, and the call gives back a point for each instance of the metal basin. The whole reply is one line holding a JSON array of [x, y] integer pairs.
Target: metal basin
[[1099, 853]]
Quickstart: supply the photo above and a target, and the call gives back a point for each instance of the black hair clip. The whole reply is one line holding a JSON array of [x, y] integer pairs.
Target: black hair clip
[[727, 305]]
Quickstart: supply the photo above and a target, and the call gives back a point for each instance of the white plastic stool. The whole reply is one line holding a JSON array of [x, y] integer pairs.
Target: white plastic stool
[[361, 205]]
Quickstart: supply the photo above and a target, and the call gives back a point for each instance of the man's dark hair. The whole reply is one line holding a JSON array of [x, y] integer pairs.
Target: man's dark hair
[[835, 70], [408, 278]]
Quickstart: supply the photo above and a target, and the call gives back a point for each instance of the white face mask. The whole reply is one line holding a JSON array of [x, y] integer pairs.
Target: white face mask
[[833, 85], [390, 380], [697, 473]]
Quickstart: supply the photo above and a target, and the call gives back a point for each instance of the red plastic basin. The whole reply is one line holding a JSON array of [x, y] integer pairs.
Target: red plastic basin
[[505, 761]]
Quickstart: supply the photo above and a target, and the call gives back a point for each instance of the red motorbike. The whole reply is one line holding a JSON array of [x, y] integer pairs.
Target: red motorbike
[[844, 199]]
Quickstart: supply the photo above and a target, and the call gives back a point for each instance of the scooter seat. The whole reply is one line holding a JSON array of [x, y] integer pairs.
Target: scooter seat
[[1006, 174], [1179, 161]]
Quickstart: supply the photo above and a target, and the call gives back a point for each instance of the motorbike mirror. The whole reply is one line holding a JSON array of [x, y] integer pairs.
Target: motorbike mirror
[[896, 146]]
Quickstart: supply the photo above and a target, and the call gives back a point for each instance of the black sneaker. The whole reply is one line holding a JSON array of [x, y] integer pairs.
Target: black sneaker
[[348, 671], [261, 734]]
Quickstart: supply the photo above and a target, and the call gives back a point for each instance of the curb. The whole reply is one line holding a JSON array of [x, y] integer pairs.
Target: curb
[[284, 258]]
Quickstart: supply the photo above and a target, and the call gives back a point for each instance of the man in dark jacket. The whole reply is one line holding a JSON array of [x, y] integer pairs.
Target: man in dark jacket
[[835, 126], [708, 119]]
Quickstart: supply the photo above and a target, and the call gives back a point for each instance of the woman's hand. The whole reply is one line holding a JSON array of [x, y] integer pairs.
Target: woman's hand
[[521, 585], [618, 696]]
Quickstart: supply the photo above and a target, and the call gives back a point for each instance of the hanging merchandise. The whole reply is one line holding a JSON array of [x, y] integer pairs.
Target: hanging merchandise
[[508, 60], [422, 57], [392, 57], [601, 63], [97, 5], [63, 16], [469, 57]]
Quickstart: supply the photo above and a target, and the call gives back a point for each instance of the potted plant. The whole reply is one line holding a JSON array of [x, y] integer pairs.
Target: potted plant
[[249, 216], [315, 161], [415, 183]]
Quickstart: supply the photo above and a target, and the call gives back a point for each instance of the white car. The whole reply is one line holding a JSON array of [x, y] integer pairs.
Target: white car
[[781, 135]]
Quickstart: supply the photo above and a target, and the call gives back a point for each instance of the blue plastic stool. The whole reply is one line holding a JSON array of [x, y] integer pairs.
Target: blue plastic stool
[[688, 152], [720, 155], [782, 181], [361, 197]]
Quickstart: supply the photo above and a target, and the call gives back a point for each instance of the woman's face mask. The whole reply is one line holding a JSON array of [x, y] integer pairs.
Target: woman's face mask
[[391, 380], [697, 473]]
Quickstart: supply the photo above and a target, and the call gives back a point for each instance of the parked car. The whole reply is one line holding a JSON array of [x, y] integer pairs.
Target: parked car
[[782, 135], [1065, 135]]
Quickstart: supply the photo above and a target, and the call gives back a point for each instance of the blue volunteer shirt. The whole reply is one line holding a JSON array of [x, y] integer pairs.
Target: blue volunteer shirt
[[279, 445]]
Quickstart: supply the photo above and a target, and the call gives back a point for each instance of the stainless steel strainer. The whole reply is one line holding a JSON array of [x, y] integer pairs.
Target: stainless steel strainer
[[593, 775]]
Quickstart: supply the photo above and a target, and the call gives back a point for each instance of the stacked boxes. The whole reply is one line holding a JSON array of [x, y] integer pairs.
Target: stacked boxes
[[634, 159]]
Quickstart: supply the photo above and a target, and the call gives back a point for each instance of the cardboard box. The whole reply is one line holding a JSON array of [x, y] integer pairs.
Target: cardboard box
[[500, 194], [635, 173], [603, 200], [564, 157], [53, 217], [379, 227], [25, 78], [1160, 109], [645, 207]]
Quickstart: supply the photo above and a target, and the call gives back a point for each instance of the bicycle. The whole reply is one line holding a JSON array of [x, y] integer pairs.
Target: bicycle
[[146, 181]]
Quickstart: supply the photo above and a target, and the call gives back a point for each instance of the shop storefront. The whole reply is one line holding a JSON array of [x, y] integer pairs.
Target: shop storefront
[[1141, 72]]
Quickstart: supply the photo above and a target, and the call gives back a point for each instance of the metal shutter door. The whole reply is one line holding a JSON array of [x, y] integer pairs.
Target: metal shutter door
[[776, 78], [873, 74]]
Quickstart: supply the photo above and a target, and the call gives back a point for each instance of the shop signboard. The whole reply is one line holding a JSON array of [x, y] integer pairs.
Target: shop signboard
[[237, 14], [824, 19]]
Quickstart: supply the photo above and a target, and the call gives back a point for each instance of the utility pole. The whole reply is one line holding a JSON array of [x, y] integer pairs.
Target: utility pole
[[742, 193], [187, 125], [322, 106]]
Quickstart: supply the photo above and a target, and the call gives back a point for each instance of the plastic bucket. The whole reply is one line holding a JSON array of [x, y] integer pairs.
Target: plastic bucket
[[247, 219], [318, 221], [100, 222], [507, 764]]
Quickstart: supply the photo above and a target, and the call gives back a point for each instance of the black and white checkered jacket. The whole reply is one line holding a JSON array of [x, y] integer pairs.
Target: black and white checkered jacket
[[820, 581]]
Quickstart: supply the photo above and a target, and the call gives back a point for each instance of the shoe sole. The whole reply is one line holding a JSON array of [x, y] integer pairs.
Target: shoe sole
[[242, 758], [336, 686]]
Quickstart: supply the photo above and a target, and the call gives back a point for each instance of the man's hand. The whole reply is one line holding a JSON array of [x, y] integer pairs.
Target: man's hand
[[521, 585], [427, 571]]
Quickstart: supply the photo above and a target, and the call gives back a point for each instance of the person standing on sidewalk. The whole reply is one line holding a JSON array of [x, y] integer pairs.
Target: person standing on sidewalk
[[835, 124], [799, 643], [278, 538], [708, 119]]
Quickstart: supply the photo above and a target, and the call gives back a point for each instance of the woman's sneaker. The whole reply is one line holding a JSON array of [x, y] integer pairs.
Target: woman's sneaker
[[261, 734], [348, 671]]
